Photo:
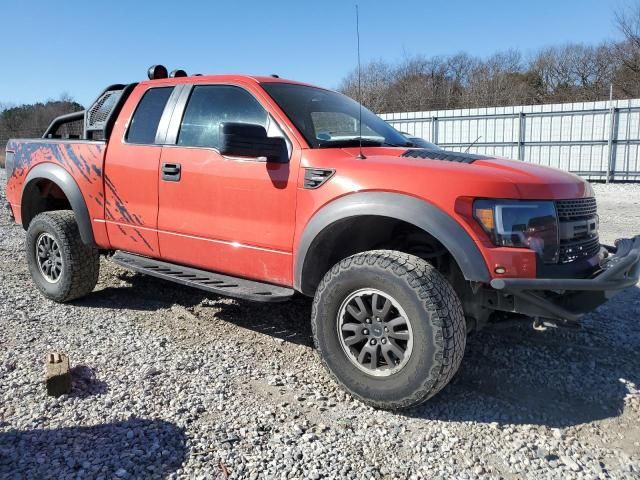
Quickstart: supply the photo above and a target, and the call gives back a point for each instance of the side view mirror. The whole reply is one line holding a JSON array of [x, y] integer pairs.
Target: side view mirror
[[248, 140]]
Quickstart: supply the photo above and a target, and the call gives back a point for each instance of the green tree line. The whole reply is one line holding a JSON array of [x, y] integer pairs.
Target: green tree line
[[28, 121]]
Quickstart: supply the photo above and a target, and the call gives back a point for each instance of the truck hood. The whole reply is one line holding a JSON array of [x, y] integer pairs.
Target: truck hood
[[466, 174], [530, 178]]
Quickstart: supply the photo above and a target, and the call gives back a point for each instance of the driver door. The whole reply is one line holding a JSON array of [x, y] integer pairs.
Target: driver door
[[225, 214]]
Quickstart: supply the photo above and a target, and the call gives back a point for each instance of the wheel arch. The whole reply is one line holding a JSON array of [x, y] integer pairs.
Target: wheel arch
[[65, 182], [419, 213]]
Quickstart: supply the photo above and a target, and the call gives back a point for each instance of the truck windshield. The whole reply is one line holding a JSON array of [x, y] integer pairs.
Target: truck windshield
[[328, 119]]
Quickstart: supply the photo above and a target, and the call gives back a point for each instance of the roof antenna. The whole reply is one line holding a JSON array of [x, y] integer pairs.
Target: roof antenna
[[474, 142], [360, 154]]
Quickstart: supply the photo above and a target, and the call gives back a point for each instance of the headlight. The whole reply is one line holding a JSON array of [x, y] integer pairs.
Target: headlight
[[527, 224]]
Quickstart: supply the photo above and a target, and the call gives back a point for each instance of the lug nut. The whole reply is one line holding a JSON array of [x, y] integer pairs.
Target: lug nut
[[368, 320], [365, 332], [386, 329], [384, 340], [377, 319], [373, 341]]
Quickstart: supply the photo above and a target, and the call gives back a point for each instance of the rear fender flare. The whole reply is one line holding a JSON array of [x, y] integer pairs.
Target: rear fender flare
[[412, 210], [68, 185]]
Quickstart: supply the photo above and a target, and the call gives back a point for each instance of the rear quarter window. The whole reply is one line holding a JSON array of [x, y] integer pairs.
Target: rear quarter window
[[144, 124]]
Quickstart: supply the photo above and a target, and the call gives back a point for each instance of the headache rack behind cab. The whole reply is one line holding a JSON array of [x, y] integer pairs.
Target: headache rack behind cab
[[96, 122]]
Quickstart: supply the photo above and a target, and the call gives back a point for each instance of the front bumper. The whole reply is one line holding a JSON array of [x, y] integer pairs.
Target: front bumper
[[570, 298]]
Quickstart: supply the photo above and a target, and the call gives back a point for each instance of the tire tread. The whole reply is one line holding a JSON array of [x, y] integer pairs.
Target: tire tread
[[83, 261], [439, 299]]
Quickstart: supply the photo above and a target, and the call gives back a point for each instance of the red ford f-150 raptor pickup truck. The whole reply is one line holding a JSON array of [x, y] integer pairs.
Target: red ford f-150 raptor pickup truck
[[256, 187]]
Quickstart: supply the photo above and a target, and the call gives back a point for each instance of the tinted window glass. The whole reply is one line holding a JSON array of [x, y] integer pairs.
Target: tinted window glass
[[211, 105], [144, 123]]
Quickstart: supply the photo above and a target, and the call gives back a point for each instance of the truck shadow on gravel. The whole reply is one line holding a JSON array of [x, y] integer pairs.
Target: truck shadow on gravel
[[558, 378], [511, 374], [130, 449], [288, 321]]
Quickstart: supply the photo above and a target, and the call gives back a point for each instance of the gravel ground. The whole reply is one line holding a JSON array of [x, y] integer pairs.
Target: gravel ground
[[172, 382]]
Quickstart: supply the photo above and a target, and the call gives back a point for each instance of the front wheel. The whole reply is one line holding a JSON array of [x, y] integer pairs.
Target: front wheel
[[389, 328], [62, 267]]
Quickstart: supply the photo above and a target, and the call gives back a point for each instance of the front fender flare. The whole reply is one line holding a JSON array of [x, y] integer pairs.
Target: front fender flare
[[68, 185], [412, 210]]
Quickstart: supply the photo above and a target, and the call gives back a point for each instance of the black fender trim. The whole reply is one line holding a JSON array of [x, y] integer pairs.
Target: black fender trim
[[68, 185], [402, 207]]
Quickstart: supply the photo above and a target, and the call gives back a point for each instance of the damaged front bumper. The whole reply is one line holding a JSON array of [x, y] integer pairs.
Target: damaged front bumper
[[567, 299]]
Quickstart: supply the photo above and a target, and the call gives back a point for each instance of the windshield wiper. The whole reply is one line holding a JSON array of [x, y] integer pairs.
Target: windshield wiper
[[348, 142]]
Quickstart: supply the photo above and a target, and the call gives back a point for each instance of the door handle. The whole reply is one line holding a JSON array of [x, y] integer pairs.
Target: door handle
[[171, 172]]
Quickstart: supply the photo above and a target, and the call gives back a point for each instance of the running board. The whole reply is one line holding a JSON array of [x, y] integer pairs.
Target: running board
[[209, 281]]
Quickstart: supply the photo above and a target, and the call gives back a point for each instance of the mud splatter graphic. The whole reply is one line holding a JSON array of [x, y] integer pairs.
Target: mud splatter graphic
[[143, 239], [122, 214], [121, 205], [83, 160]]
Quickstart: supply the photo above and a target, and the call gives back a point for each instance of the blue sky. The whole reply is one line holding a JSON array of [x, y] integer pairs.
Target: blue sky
[[79, 47]]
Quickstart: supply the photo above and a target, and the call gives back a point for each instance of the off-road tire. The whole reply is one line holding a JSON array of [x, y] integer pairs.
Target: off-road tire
[[81, 263], [436, 316]]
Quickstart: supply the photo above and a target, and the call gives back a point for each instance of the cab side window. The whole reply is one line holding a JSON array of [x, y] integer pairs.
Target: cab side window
[[211, 105], [144, 124]]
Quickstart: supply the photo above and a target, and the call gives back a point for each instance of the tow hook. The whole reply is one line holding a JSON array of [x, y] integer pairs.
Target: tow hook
[[543, 324]]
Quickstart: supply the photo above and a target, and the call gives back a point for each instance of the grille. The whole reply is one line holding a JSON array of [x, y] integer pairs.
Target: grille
[[577, 237], [575, 250], [576, 209]]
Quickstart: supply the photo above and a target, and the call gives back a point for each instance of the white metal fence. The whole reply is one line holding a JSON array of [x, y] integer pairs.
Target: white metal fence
[[598, 140]]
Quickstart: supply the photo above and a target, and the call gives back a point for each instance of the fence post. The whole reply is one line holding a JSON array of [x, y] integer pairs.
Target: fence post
[[614, 113], [434, 130], [521, 135]]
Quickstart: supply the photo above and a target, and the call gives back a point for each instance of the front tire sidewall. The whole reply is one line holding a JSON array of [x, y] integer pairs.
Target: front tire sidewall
[[427, 338]]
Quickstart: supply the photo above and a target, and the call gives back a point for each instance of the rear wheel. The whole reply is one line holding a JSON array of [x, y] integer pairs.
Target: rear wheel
[[62, 267], [389, 328]]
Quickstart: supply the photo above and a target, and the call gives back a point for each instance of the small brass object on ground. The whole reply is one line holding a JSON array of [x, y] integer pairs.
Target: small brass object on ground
[[57, 374]]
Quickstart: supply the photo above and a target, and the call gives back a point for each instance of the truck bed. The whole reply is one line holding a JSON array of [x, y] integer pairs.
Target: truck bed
[[81, 158]]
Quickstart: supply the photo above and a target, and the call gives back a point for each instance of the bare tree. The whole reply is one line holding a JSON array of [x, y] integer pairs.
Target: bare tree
[[628, 20], [376, 79], [499, 80], [567, 73], [421, 84], [627, 78], [575, 72]]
